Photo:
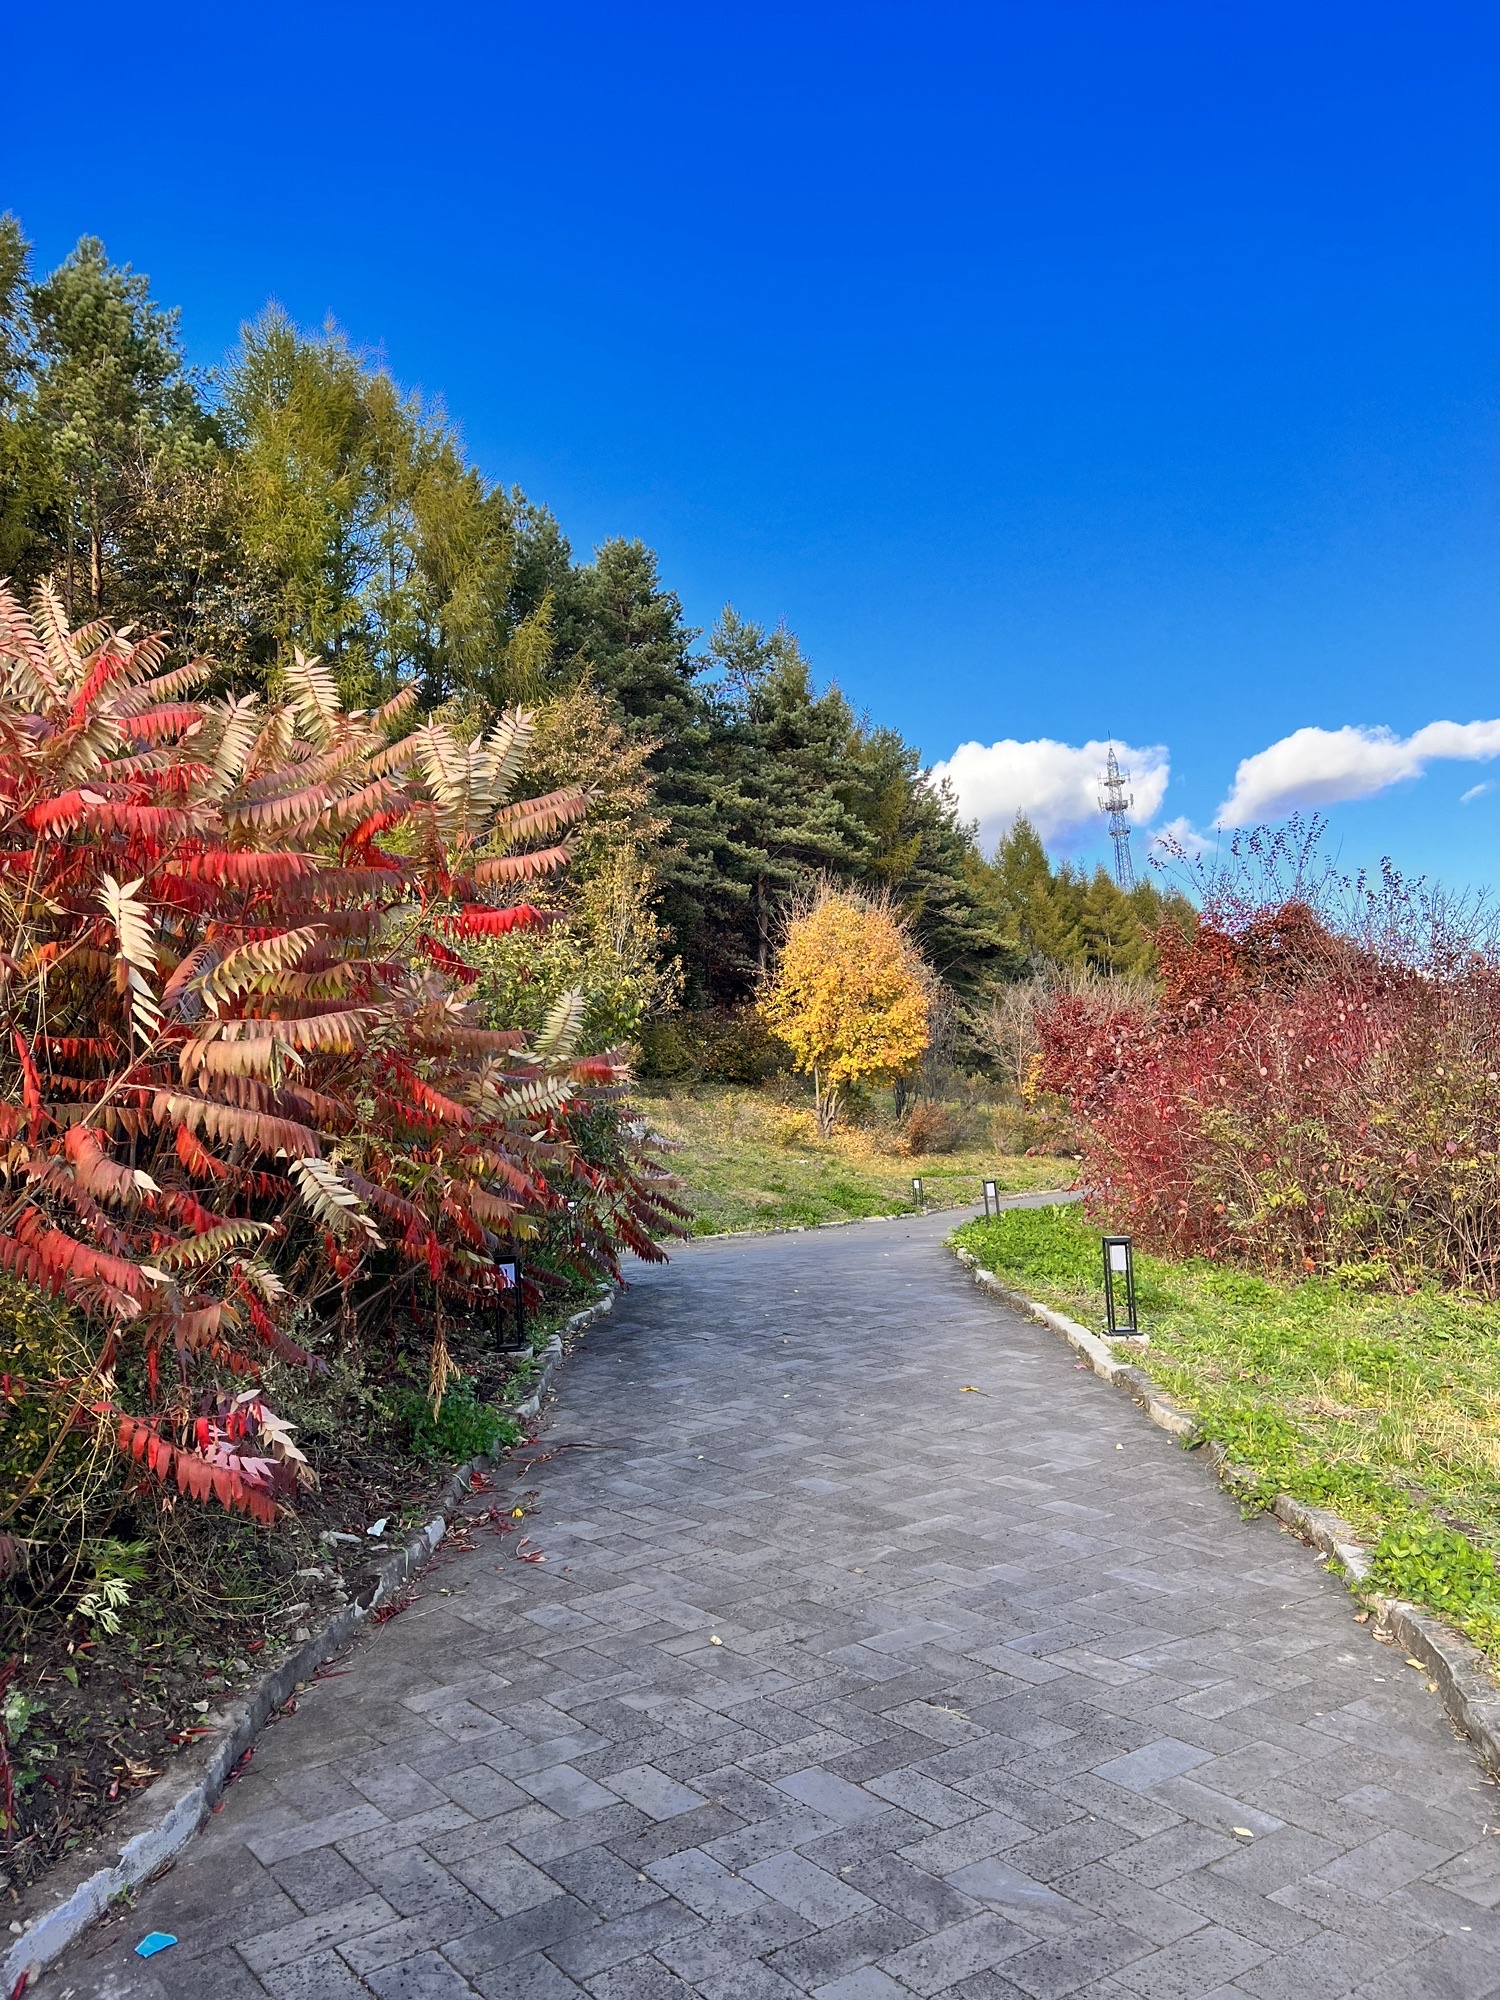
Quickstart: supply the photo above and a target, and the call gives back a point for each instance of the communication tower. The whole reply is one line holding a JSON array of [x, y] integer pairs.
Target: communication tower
[[1116, 801]]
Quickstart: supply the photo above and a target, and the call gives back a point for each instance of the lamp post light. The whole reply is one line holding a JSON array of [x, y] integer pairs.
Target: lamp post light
[[510, 1281], [916, 1189], [1119, 1285], [991, 1200]]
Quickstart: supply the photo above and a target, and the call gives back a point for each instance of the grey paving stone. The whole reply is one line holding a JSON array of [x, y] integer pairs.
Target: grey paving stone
[[270, 1848], [1388, 1862], [437, 1925], [1192, 1967], [1452, 1969], [991, 1701], [1061, 1965], [1164, 1856], [503, 1938], [944, 1957], [294, 1942], [1029, 1902], [704, 1884], [828, 1954], [1244, 1911], [832, 1795], [1141, 1769], [480, 1791], [223, 1974], [1329, 1963], [426, 1977], [566, 1791], [869, 1983], [753, 1981], [726, 1946], [585, 1953], [642, 1979], [605, 1882], [322, 1975], [1147, 1912], [925, 1899], [319, 1880], [503, 1880], [397, 1789], [530, 1978], [657, 1795], [809, 1890]]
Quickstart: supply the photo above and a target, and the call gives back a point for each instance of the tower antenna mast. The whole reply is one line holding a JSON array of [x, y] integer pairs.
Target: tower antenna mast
[[1116, 801]]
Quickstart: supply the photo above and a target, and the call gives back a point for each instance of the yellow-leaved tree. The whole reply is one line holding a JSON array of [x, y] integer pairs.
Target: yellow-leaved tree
[[850, 996]]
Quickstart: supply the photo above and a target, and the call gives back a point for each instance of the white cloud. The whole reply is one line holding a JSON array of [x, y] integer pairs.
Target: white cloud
[[1180, 838], [1475, 792], [1056, 785], [1322, 767]]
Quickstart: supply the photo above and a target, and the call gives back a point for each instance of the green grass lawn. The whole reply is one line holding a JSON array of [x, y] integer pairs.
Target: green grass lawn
[[1384, 1408], [750, 1163]]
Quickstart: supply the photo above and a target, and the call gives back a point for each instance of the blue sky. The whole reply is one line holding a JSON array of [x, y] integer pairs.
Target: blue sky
[[1056, 371]]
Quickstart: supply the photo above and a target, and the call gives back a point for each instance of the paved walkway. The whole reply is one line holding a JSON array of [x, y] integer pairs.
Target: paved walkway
[[839, 1680]]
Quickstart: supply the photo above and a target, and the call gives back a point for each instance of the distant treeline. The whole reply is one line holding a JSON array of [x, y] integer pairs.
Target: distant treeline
[[296, 496]]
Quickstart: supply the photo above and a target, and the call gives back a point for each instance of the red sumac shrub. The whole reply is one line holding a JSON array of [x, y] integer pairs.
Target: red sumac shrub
[[1296, 1100], [244, 1074]]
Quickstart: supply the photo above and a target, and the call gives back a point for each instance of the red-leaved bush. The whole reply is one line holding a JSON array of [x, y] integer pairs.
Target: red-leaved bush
[[245, 1084], [1296, 1099]]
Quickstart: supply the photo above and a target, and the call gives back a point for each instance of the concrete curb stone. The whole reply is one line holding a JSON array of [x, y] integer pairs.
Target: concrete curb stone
[[163, 1819], [1457, 1670]]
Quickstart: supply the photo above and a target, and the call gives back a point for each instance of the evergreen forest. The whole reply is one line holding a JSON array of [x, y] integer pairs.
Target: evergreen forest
[[295, 497]]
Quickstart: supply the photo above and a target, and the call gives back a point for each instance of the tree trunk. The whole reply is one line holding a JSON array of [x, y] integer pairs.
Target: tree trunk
[[70, 586], [827, 1105], [96, 550]]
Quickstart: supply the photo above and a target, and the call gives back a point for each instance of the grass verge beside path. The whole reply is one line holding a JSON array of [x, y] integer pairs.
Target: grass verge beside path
[[752, 1164], [1384, 1409]]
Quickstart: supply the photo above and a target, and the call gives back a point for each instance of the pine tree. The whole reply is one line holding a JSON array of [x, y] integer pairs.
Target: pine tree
[[793, 751], [111, 395], [614, 619]]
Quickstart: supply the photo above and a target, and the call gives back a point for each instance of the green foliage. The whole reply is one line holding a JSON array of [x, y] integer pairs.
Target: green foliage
[[1062, 917], [463, 1428], [53, 1478], [114, 1566], [711, 1045], [1382, 1409], [1041, 1244], [1435, 1566]]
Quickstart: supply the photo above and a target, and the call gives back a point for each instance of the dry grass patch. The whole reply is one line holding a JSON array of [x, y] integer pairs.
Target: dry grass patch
[[752, 1162]]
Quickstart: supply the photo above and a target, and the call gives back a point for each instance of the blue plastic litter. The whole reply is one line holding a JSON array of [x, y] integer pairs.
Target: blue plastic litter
[[154, 1942]]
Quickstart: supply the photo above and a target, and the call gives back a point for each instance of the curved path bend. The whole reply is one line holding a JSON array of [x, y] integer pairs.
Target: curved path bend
[[840, 1680]]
